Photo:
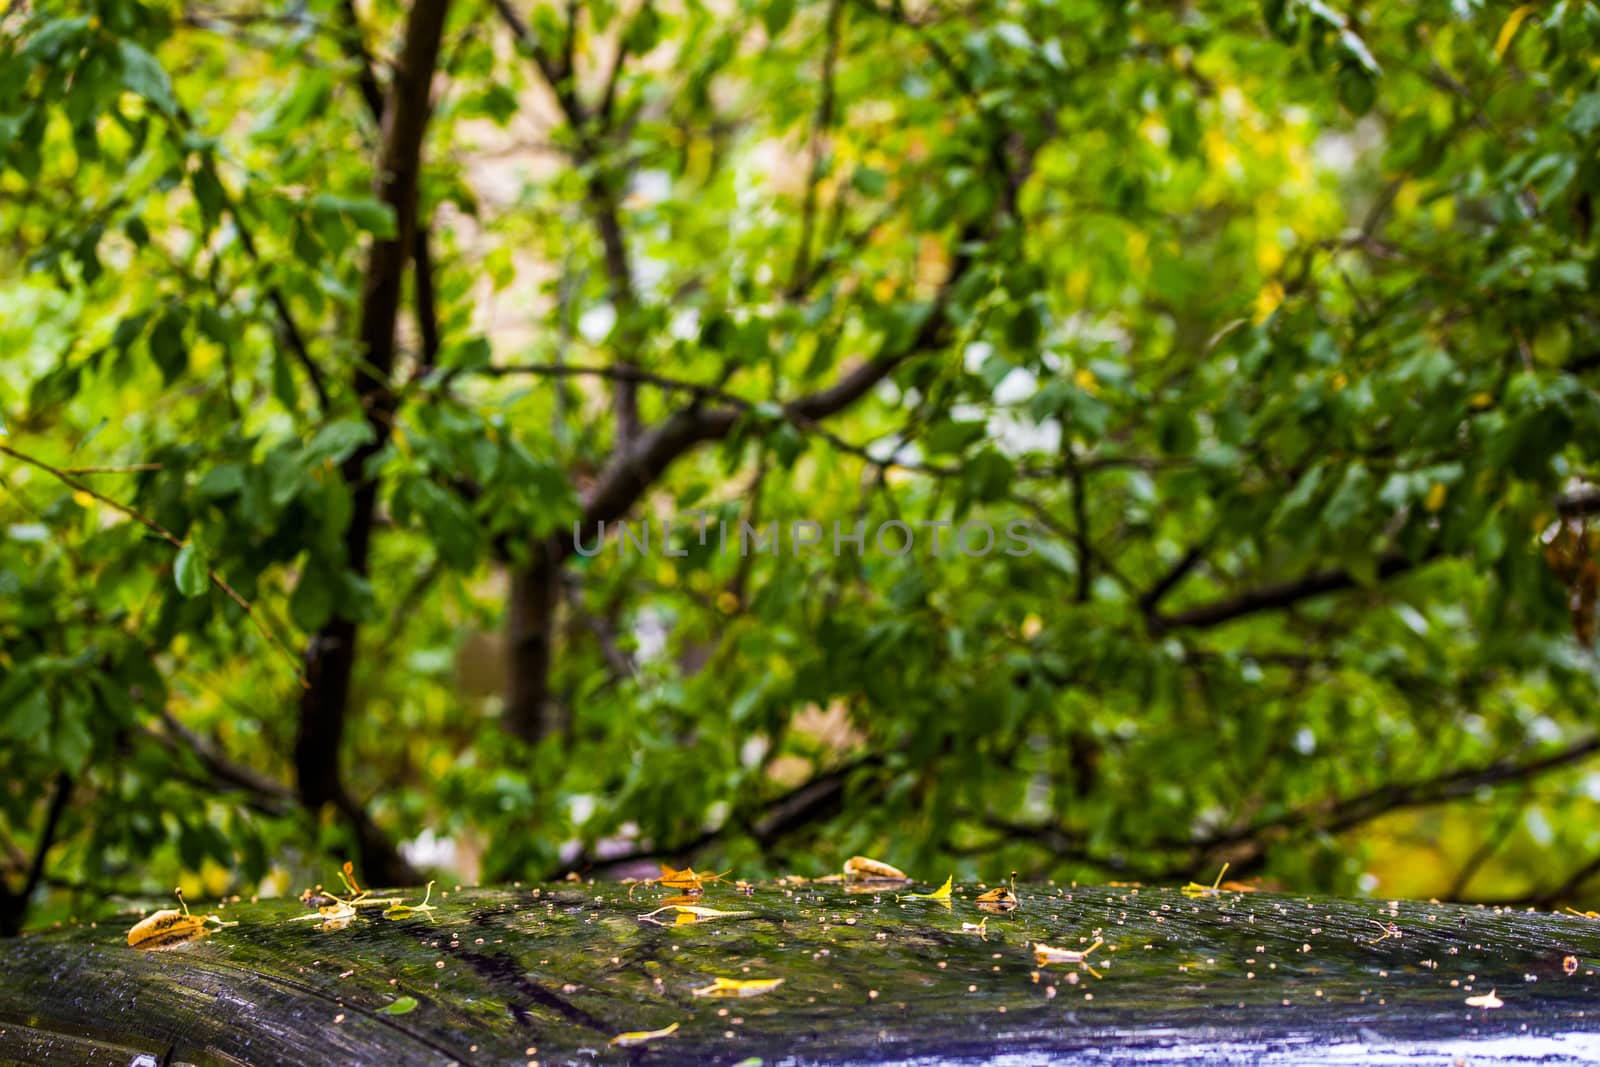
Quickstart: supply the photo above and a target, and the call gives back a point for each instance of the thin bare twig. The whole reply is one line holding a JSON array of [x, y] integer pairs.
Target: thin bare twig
[[168, 536]]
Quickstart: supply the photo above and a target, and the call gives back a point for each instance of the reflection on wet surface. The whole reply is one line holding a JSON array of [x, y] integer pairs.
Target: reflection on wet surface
[[554, 974]]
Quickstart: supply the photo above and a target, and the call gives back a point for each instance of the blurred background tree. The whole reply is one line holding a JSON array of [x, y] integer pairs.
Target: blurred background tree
[[332, 329]]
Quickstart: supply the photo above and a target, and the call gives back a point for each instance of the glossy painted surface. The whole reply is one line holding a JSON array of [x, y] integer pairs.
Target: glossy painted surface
[[554, 973]]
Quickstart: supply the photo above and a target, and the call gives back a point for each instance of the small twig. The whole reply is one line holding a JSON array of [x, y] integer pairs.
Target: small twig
[[131, 468], [172, 539]]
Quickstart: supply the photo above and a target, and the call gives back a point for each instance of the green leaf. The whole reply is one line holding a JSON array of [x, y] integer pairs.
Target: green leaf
[[167, 346], [1024, 328], [776, 15], [223, 480], [143, 74], [28, 718], [337, 440], [311, 603], [366, 212], [189, 570], [400, 1006], [208, 193], [868, 181], [448, 522], [1584, 118], [949, 436]]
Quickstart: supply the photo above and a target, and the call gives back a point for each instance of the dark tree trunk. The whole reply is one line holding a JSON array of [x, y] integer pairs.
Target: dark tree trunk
[[530, 634], [331, 656]]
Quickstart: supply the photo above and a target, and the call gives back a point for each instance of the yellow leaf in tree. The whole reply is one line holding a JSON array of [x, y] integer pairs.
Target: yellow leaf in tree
[[738, 987], [1436, 496], [1267, 301], [1509, 31], [640, 1037]]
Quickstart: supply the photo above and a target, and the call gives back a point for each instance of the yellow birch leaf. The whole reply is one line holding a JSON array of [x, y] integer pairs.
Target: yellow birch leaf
[[738, 987], [1195, 889], [1509, 30], [1044, 954], [942, 894], [640, 1037], [169, 927], [688, 914]]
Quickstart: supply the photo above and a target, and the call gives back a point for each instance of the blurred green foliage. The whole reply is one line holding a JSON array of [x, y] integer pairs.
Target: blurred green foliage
[[1278, 321]]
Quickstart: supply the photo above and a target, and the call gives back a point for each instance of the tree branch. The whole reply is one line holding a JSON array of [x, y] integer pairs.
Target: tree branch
[[786, 814], [421, 258], [267, 796], [1275, 595], [1284, 594], [170, 538], [1333, 816], [1176, 573], [800, 275], [14, 906], [600, 200]]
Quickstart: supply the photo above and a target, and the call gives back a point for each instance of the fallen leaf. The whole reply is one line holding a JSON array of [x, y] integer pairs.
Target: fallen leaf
[[170, 927], [862, 868], [1488, 1000], [1044, 954], [738, 987], [1195, 889], [942, 894], [400, 1006], [404, 911], [689, 914], [640, 1037], [686, 880]]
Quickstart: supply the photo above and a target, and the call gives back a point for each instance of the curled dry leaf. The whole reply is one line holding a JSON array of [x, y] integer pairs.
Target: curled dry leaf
[[1486, 1001], [170, 927], [1000, 899], [738, 987], [862, 869], [687, 880], [1570, 964], [640, 1037]]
